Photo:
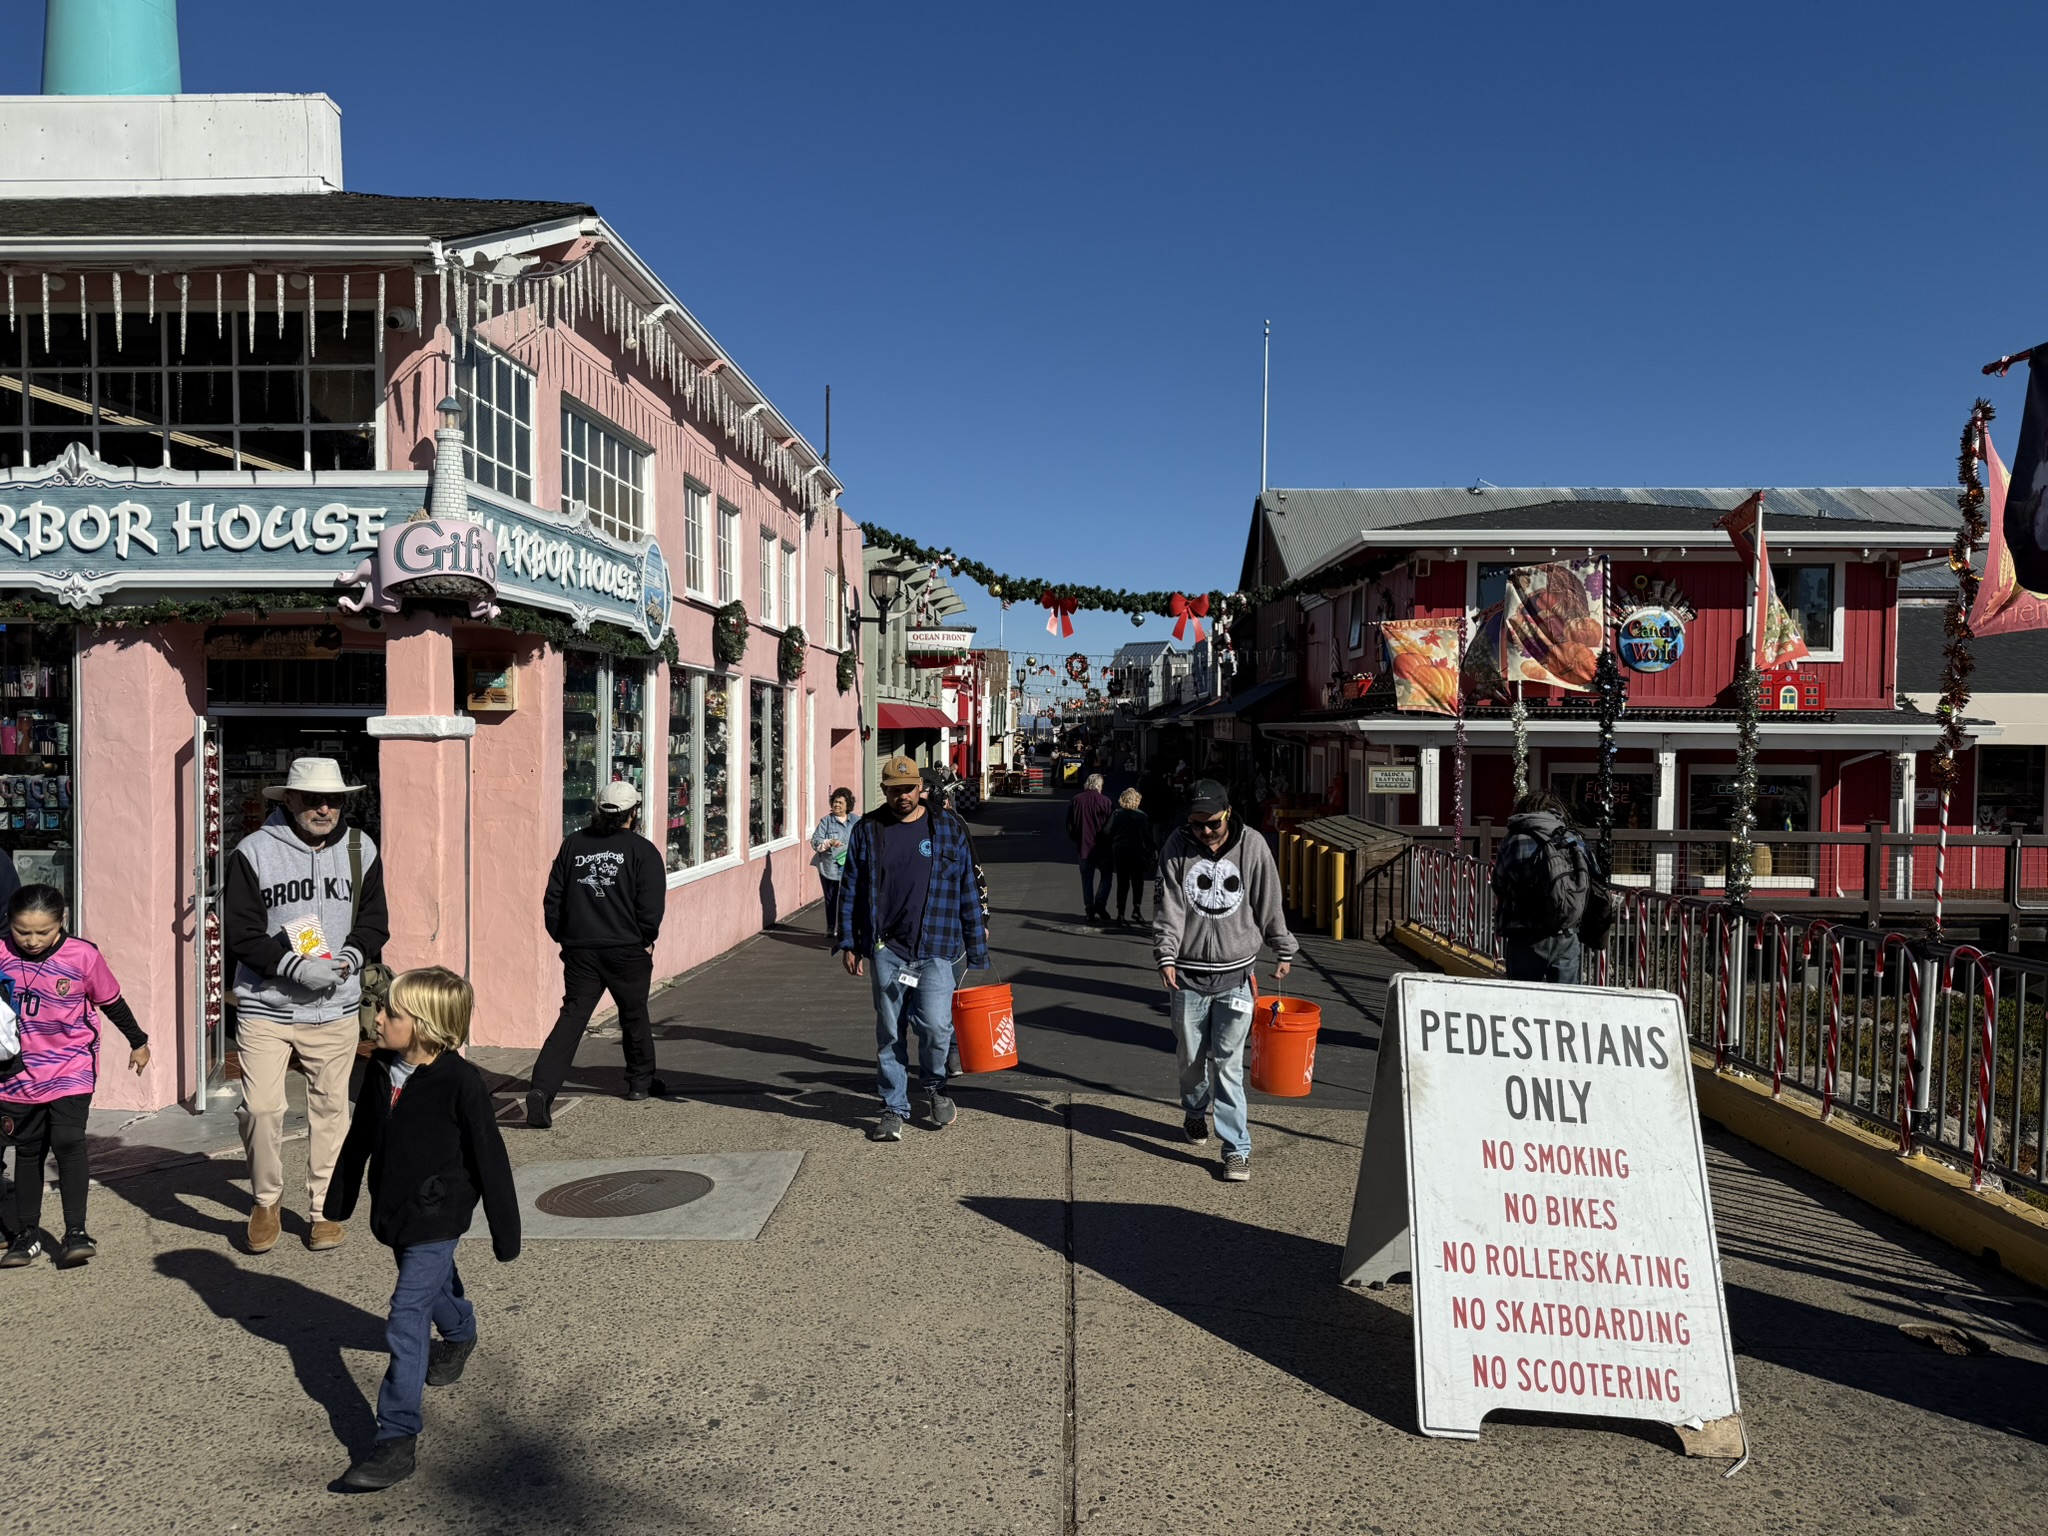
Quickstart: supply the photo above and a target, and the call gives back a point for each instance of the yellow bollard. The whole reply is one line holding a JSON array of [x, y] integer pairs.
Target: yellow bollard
[[1319, 873], [1287, 842], [1340, 897]]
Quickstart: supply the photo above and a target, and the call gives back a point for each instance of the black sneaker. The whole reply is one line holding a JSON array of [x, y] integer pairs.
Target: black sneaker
[[661, 1090], [76, 1248], [1195, 1128], [1237, 1167], [537, 1116], [942, 1110], [26, 1248], [888, 1128], [636, 1095], [389, 1461], [446, 1360]]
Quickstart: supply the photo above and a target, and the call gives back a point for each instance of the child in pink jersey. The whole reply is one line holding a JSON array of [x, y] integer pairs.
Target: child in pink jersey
[[56, 983]]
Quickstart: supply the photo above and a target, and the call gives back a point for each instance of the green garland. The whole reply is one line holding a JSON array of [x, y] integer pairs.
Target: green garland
[[1224, 606], [729, 634], [609, 639], [1742, 825], [1957, 662], [791, 654]]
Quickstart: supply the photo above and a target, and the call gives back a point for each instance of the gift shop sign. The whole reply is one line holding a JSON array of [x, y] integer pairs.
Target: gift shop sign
[[1533, 1162], [78, 530]]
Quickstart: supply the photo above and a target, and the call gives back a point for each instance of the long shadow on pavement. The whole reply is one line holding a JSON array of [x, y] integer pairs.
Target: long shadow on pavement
[[309, 1325], [1271, 1294]]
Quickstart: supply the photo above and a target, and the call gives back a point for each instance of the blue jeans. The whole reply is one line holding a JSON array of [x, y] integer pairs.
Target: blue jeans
[[1554, 958], [428, 1296], [1209, 1035], [1094, 886], [926, 1007]]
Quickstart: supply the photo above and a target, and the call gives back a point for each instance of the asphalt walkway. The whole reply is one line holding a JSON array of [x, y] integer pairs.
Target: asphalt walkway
[[1050, 1317]]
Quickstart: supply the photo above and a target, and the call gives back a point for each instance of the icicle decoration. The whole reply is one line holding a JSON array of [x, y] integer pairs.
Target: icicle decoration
[[419, 302], [117, 311], [10, 301], [441, 298], [344, 306], [280, 304], [312, 286], [84, 314], [252, 306], [46, 311], [378, 318], [184, 301], [220, 318]]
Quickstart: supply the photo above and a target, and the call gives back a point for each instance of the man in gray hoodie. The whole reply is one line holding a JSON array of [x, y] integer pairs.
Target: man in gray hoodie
[[302, 912], [1219, 900]]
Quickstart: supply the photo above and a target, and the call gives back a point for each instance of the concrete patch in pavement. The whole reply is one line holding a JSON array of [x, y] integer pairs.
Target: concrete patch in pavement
[[745, 1189]]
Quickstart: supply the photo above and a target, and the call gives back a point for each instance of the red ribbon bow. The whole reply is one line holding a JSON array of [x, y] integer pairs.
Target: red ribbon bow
[[1185, 608], [1057, 621]]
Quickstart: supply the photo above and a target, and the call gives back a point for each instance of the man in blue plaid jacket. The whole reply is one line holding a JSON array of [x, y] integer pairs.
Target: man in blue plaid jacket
[[908, 902]]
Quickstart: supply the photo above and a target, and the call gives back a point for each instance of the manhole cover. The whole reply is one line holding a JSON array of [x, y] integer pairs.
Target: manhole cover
[[637, 1192]]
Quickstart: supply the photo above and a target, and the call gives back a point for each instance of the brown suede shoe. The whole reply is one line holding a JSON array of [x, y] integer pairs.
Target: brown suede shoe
[[265, 1222], [326, 1234]]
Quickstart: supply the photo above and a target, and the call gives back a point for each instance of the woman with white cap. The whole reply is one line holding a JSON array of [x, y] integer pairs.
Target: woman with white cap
[[303, 914], [604, 905]]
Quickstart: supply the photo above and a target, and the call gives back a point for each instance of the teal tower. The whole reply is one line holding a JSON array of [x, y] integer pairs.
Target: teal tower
[[110, 48]]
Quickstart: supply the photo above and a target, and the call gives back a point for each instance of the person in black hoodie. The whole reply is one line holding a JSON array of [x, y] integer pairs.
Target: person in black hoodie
[[424, 1130], [606, 896]]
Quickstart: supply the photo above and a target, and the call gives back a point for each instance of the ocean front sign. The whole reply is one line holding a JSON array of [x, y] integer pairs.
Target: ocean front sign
[[79, 531]]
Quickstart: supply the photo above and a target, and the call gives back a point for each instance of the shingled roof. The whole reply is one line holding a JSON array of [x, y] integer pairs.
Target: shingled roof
[[295, 216]]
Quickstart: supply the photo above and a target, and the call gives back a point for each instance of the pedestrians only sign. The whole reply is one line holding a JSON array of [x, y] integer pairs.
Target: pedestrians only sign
[[1533, 1161]]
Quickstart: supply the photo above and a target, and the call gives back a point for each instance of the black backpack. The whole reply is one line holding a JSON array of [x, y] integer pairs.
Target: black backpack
[[1542, 883]]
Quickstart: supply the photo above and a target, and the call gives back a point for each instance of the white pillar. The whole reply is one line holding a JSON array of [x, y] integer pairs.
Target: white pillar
[[1905, 776], [1666, 863], [1428, 809]]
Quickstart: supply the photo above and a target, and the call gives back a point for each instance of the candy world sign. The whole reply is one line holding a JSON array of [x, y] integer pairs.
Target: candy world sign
[[1533, 1162]]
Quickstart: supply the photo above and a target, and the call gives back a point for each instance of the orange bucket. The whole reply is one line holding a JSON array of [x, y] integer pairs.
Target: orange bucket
[[985, 1028], [1284, 1046]]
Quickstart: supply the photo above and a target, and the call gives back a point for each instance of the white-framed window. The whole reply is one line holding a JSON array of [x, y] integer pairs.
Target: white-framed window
[[1812, 594], [699, 767], [728, 552], [224, 390], [831, 638], [1787, 800], [496, 396], [792, 611], [605, 471], [768, 807], [768, 613], [696, 537]]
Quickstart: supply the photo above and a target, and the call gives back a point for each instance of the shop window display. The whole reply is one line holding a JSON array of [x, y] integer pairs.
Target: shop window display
[[603, 731], [36, 724], [768, 765], [697, 756]]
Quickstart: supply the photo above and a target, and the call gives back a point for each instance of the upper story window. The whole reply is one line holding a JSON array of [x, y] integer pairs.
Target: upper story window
[[1809, 593], [728, 552], [696, 536], [604, 471], [496, 396], [229, 394], [791, 602], [768, 610]]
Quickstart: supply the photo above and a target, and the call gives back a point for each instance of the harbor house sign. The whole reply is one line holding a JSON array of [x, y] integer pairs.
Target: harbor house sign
[[78, 531]]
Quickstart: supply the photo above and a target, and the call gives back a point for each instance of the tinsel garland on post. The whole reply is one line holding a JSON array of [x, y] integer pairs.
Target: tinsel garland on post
[[1957, 661], [1610, 689], [1458, 758], [1742, 823], [1519, 714]]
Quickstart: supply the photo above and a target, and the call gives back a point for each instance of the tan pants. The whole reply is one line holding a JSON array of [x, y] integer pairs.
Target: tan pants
[[328, 1052]]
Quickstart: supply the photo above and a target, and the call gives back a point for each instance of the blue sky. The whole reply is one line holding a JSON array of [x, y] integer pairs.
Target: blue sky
[[1031, 247]]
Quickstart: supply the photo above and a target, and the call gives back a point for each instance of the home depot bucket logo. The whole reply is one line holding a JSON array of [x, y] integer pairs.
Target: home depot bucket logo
[[1308, 1066], [1006, 1036]]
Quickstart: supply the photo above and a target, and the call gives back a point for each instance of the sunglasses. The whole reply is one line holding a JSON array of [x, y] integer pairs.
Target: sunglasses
[[1211, 823], [324, 801]]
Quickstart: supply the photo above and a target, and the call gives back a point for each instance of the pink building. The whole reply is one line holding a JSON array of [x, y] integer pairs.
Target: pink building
[[219, 378]]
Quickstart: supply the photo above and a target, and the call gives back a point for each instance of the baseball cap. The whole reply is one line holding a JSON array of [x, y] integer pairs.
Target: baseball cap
[[1207, 798], [618, 796], [901, 770]]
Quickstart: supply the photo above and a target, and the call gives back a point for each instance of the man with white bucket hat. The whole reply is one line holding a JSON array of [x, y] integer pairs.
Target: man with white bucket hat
[[303, 913]]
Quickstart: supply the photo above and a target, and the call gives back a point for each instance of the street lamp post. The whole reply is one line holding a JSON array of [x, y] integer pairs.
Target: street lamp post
[[884, 585]]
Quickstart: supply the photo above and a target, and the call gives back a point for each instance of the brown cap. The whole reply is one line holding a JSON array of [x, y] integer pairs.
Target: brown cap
[[901, 770]]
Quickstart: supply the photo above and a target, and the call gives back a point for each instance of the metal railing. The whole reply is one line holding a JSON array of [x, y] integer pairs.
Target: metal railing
[[1941, 1045]]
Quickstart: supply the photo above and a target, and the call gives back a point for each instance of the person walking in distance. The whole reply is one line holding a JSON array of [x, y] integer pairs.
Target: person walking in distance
[[605, 899], [303, 912], [909, 906], [828, 853], [425, 1133], [1219, 900], [1133, 854], [1545, 892], [1087, 822]]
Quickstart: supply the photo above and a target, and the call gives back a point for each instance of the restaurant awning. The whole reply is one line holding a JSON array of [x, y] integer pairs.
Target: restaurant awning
[[910, 717]]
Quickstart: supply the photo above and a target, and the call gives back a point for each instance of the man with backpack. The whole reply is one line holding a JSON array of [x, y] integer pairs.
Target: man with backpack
[[1547, 895]]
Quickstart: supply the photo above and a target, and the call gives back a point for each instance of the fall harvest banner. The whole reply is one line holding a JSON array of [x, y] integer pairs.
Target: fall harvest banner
[[1556, 623], [1424, 656]]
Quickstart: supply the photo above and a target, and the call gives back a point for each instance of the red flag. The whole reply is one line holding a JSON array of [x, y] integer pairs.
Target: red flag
[[2003, 606], [1775, 639]]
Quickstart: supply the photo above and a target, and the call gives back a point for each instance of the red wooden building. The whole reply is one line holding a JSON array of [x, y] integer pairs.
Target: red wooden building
[[1846, 749]]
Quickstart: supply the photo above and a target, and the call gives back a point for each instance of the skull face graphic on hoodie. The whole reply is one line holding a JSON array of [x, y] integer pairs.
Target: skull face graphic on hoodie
[[1217, 908]]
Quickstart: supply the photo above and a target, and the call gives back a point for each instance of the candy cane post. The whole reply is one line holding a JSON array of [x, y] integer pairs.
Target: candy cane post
[[1909, 1037], [1781, 996], [1724, 991], [1833, 956], [1941, 856], [1987, 1046], [1684, 977], [1639, 902]]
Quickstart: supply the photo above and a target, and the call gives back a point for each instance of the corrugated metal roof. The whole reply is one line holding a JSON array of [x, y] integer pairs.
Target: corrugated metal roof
[[1141, 652], [1314, 527]]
